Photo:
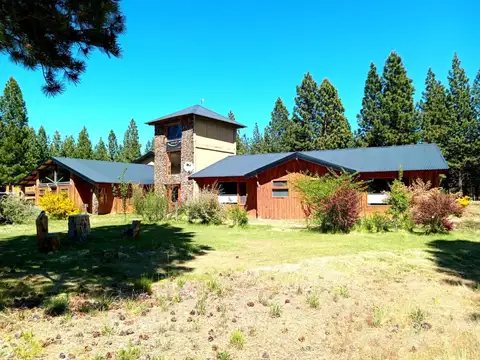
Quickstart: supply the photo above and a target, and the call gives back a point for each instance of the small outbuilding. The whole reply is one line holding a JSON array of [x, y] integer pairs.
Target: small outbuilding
[[89, 183], [263, 183]]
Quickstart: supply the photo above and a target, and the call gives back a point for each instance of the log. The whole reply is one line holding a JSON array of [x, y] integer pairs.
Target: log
[[46, 242], [78, 228], [132, 231]]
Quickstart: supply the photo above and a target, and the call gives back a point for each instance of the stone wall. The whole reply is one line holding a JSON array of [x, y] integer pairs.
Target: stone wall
[[162, 178]]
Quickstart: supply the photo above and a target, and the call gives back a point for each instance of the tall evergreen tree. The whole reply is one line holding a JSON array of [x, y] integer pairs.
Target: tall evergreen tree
[[275, 132], [15, 135], [476, 95], [241, 140], [100, 152], [68, 147], [56, 145], [149, 146], [335, 132], [32, 153], [397, 106], [83, 150], [463, 133], [302, 134], [113, 151], [434, 113], [257, 144], [131, 145], [371, 130], [43, 147]]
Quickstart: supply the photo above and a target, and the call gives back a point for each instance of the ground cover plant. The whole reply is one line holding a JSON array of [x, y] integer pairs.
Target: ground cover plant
[[186, 291]]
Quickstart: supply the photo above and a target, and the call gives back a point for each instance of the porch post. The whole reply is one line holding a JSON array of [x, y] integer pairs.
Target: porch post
[[95, 197]]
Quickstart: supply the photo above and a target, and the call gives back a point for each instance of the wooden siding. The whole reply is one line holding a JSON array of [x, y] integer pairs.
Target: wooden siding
[[262, 204]]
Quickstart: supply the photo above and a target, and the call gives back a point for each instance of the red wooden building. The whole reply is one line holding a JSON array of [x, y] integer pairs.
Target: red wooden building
[[263, 183]]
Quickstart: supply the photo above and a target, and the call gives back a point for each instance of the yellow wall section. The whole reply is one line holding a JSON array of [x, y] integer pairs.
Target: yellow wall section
[[214, 135], [205, 157]]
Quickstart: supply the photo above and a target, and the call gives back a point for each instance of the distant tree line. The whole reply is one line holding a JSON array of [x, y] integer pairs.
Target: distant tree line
[[448, 115], [22, 148]]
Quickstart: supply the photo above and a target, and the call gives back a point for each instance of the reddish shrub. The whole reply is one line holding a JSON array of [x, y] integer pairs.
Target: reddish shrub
[[341, 210], [432, 209]]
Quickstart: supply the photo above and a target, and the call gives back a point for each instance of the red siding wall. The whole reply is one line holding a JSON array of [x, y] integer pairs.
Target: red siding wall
[[261, 203]]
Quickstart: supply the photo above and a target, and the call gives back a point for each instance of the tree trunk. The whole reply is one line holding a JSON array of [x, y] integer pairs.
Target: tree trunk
[[78, 228]]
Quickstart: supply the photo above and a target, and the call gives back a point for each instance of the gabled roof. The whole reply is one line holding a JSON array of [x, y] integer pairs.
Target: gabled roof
[[197, 110], [95, 171], [363, 160]]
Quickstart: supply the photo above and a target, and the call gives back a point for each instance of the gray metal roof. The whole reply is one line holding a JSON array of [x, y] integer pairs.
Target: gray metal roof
[[197, 110], [96, 171], [373, 159]]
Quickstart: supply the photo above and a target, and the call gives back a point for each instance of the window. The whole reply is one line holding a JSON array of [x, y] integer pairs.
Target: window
[[242, 192], [279, 188], [174, 195], [174, 132], [175, 162], [227, 193]]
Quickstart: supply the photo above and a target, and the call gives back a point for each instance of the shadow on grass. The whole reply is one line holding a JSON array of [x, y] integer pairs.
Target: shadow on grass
[[105, 264], [459, 258]]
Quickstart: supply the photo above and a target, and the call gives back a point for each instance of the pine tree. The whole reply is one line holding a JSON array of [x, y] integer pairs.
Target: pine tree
[[335, 132], [241, 141], [397, 106], [303, 132], [68, 147], [434, 113], [83, 149], [131, 145], [257, 145], [463, 132], [32, 153], [276, 130], [42, 145], [149, 147], [371, 130], [56, 145], [113, 151], [15, 135], [476, 95], [100, 152]]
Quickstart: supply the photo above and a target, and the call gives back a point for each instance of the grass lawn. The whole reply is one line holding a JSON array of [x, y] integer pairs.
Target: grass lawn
[[260, 292]]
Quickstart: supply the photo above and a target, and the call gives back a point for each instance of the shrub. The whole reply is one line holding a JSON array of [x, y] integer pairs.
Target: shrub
[[205, 208], [237, 339], [399, 200], [15, 210], [463, 201], [313, 301], [58, 206], [332, 200], [433, 208], [275, 311], [144, 284], [57, 305], [376, 223], [152, 206], [238, 215]]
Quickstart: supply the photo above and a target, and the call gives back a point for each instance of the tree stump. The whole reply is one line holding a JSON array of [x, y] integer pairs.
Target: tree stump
[[132, 231], [46, 242], [78, 228]]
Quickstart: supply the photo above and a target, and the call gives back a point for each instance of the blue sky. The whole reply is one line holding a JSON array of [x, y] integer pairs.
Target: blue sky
[[242, 55]]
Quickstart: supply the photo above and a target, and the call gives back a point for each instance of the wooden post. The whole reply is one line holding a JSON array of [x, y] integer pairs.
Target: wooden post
[[78, 227], [46, 242]]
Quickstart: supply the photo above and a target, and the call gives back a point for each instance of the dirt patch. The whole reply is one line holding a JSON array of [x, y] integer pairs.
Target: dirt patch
[[377, 305]]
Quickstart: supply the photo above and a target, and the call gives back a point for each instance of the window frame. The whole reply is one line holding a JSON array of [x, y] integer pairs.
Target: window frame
[[169, 164], [277, 188]]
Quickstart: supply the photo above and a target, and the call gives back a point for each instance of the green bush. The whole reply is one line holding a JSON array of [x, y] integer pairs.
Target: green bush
[[332, 200], [205, 208], [152, 206], [399, 201], [238, 215], [57, 305], [376, 223], [16, 210]]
